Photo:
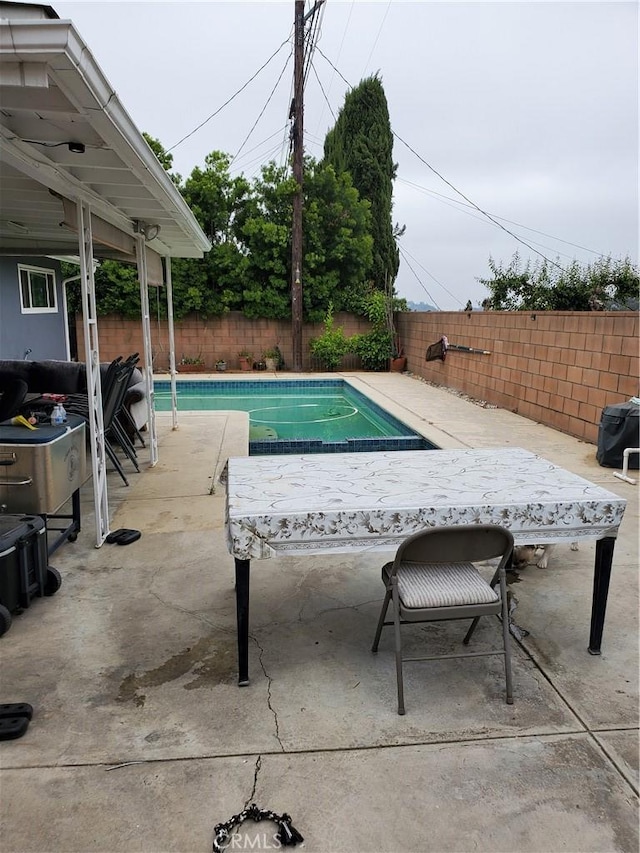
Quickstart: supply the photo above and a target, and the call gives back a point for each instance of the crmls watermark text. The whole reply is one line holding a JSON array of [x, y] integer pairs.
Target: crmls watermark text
[[259, 841]]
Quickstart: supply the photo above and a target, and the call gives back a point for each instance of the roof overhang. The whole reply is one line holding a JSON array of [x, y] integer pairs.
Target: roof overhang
[[53, 93]]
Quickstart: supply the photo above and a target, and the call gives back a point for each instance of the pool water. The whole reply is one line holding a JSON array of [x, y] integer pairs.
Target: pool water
[[304, 416]]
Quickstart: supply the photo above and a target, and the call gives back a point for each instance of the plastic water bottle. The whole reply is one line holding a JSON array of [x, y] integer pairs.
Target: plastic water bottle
[[57, 416]]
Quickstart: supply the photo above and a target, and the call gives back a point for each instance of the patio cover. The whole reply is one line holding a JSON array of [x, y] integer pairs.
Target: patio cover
[[78, 178]]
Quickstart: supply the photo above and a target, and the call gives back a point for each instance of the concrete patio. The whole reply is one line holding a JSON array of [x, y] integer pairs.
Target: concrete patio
[[142, 741]]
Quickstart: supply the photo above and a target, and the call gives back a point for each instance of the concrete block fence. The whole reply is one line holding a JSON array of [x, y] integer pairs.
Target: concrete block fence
[[558, 368]]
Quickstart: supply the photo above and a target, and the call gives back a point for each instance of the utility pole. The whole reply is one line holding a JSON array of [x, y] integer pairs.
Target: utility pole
[[297, 114]]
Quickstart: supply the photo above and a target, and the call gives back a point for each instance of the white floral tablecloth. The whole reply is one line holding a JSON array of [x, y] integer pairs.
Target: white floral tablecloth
[[358, 501]]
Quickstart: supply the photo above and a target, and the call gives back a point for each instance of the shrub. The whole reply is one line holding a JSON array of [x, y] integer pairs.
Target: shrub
[[332, 344]]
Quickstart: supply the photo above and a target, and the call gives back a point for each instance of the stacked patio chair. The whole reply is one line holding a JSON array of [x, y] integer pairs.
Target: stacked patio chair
[[114, 387]]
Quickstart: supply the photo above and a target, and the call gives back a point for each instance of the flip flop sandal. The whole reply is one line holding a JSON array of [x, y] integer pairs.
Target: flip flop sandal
[[128, 537], [13, 727], [113, 537], [16, 709]]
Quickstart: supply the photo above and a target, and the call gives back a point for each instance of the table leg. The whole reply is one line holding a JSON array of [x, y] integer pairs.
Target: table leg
[[242, 619], [601, 575]]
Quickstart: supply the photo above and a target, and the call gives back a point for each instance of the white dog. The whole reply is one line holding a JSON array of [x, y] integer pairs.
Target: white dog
[[537, 555]]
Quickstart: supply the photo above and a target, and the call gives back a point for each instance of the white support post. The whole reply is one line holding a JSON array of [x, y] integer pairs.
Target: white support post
[[94, 385], [172, 343], [141, 257]]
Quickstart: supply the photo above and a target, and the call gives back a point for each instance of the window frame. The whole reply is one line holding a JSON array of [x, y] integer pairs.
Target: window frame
[[27, 269]]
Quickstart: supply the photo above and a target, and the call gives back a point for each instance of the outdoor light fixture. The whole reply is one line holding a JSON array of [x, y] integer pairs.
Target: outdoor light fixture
[[148, 230]]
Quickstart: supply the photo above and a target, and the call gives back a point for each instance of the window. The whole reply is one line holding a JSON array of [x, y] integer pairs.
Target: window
[[37, 290]]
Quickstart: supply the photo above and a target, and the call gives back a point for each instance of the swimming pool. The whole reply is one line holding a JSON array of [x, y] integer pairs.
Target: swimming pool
[[298, 416]]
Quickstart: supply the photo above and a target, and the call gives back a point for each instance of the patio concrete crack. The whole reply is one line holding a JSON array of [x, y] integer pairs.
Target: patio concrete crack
[[256, 770], [269, 681]]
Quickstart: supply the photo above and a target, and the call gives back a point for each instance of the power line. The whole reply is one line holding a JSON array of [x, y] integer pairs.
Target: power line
[[344, 34], [323, 92], [503, 218], [473, 204], [449, 184], [377, 37], [284, 68], [259, 144], [312, 34], [431, 275], [227, 102], [419, 280]]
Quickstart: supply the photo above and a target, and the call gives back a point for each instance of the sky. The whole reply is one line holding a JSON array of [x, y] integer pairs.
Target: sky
[[527, 109]]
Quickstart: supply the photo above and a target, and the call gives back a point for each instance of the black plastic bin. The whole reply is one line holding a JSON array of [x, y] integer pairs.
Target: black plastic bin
[[24, 569], [618, 430]]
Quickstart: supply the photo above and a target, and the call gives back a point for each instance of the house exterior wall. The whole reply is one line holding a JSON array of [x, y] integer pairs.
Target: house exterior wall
[[44, 334], [560, 368], [557, 368]]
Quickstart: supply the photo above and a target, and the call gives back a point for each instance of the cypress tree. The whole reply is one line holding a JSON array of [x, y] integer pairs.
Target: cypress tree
[[361, 143]]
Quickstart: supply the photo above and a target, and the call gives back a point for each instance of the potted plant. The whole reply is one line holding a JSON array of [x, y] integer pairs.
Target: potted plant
[[221, 365], [246, 359], [398, 361], [191, 364], [272, 358]]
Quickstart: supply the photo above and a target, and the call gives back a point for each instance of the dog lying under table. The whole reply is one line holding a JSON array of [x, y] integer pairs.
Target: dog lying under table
[[536, 555]]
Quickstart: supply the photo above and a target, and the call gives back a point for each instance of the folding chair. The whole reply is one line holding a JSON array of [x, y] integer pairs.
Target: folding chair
[[434, 577]]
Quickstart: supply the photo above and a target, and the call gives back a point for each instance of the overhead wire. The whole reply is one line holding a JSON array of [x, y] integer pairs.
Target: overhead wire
[[457, 205], [323, 92], [344, 34], [449, 184], [261, 113], [472, 203], [431, 275], [228, 101], [503, 218], [376, 38], [259, 144], [418, 279]]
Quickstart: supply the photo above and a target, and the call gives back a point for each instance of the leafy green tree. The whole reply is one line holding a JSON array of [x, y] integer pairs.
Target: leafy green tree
[[603, 284], [249, 266], [213, 285], [165, 157], [337, 243], [361, 143]]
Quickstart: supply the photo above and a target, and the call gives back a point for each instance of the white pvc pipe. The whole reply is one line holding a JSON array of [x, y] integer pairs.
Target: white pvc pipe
[[625, 465], [172, 344]]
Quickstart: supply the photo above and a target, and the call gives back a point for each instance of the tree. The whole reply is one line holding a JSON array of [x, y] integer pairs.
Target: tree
[[604, 284], [361, 143], [165, 157], [249, 226], [337, 243]]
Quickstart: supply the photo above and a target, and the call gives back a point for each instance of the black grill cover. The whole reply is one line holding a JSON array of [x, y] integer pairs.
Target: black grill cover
[[618, 430]]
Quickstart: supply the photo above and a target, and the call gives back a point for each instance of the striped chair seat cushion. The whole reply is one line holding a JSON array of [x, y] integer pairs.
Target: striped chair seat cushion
[[443, 585]]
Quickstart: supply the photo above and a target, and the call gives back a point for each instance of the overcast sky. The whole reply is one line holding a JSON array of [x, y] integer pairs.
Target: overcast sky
[[528, 109]]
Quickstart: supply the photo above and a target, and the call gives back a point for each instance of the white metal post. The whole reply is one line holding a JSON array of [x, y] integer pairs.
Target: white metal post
[[172, 343], [94, 385], [141, 257]]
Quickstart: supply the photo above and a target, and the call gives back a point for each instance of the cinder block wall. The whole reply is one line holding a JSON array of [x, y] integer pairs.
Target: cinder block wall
[[558, 368], [211, 340]]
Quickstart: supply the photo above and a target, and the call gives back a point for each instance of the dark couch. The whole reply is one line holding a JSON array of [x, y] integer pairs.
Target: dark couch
[[68, 377]]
